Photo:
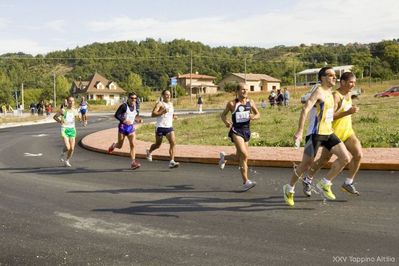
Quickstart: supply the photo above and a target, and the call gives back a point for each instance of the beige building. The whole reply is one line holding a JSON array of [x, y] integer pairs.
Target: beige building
[[255, 82], [98, 88], [199, 84]]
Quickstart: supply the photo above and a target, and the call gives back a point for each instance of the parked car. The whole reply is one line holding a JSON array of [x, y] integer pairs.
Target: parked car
[[394, 91]]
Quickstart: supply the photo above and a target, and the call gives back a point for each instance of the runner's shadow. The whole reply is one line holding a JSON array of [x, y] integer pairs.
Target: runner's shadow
[[172, 207], [183, 188], [61, 170]]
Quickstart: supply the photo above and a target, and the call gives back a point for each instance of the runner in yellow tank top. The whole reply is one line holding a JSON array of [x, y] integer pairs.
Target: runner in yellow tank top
[[322, 135], [325, 114], [342, 126]]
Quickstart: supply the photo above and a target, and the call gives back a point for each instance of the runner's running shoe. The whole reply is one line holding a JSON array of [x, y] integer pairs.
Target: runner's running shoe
[[174, 164], [67, 164], [288, 196], [326, 190], [248, 185], [149, 156], [111, 148], [135, 165], [222, 161], [350, 188], [307, 186]]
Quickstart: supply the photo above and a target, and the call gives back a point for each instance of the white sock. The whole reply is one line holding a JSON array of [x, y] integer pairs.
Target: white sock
[[172, 161], [291, 188], [326, 181], [348, 181]]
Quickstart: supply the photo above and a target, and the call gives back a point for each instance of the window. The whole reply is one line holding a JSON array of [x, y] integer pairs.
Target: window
[[252, 88], [112, 86], [99, 86], [111, 96]]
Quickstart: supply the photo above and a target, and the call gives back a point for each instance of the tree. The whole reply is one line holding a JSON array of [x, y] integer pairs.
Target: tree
[[391, 55], [6, 95], [134, 82]]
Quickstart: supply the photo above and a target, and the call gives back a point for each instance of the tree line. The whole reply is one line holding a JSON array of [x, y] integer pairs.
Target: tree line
[[149, 64]]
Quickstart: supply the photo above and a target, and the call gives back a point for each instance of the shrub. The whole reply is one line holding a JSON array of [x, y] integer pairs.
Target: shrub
[[369, 119]]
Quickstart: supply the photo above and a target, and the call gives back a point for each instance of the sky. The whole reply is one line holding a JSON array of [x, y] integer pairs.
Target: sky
[[41, 26]]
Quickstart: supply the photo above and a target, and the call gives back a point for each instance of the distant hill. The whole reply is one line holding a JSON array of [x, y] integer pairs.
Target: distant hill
[[156, 61]]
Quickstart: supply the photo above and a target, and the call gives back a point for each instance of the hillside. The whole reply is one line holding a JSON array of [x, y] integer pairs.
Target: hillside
[[154, 62]]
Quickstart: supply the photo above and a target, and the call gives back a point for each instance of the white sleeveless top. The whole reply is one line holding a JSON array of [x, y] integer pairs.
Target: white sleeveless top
[[312, 121], [166, 120], [130, 115], [69, 117]]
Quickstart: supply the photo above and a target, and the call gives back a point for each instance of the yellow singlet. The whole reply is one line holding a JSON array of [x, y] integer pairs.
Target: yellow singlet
[[343, 126], [325, 115]]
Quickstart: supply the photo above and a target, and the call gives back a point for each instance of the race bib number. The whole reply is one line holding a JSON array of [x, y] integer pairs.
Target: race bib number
[[242, 117], [329, 115]]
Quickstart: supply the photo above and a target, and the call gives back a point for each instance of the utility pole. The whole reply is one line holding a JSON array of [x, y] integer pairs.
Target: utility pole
[[370, 75], [22, 96], [245, 69], [16, 99], [191, 78], [294, 78], [54, 91]]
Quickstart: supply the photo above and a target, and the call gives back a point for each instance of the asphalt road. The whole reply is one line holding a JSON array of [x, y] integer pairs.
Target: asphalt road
[[99, 212]]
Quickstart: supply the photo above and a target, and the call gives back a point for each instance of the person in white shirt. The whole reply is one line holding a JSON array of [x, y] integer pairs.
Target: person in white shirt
[[164, 112]]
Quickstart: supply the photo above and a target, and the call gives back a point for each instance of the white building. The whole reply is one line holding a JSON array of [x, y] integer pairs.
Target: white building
[[98, 88], [255, 82], [309, 76]]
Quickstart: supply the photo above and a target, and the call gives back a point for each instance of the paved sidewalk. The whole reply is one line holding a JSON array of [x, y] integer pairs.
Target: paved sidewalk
[[374, 158]]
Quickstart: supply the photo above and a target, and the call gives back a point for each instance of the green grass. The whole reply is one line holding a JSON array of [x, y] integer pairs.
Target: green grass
[[376, 124], [18, 119]]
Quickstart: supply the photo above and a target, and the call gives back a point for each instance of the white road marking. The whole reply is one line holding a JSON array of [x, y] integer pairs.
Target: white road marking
[[123, 229], [33, 154], [40, 135]]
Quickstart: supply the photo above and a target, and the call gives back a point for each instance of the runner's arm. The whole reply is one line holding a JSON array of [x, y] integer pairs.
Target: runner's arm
[[158, 110], [57, 116], [314, 97], [223, 116], [120, 113], [254, 111], [337, 105]]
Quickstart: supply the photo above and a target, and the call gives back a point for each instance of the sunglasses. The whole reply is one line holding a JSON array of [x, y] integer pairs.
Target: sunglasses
[[331, 75], [133, 98]]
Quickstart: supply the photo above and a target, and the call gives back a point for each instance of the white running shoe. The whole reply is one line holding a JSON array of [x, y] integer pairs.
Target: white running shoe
[[174, 164], [222, 161], [248, 185], [67, 164], [62, 157], [149, 156]]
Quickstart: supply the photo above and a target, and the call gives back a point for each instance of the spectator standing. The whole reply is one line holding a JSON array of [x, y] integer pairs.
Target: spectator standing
[[200, 103], [272, 98], [286, 97], [263, 104]]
